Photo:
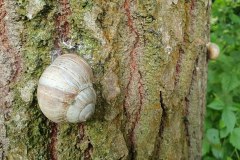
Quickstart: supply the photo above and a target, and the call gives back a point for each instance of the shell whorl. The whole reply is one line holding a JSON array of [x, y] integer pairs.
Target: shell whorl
[[65, 91], [213, 51]]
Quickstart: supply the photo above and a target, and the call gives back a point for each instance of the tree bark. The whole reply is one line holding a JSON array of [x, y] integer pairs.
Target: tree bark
[[150, 66]]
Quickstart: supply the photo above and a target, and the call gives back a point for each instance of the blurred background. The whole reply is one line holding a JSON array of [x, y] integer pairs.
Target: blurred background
[[222, 123]]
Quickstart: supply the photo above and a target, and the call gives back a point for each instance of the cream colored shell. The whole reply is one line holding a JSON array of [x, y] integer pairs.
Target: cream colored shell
[[213, 51], [65, 91]]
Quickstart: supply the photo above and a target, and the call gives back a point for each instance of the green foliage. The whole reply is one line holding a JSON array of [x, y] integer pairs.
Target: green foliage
[[222, 124]]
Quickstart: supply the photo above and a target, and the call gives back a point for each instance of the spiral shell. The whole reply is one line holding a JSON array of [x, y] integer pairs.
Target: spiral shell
[[213, 51], [65, 91]]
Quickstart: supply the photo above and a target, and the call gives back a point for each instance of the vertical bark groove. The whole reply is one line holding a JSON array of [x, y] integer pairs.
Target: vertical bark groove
[[6, 45], [134, 72], [10, 68], [53, 141], [178, 66], [62, 24], [186, 121], [162, 124], [87, 151]]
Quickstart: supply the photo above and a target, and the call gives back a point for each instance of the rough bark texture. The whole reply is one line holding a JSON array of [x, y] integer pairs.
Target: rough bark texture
[[149, 62]]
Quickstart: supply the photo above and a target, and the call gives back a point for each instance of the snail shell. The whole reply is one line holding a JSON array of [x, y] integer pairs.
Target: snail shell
[[213, 51], [65, 91]]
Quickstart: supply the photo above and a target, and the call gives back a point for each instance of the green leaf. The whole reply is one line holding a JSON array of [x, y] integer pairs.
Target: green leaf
[[216, 104], [213, 136], [235, 107], [224, 133], [229, 81], [206, 147], [235, 18], [208, 158], [217, 152], [235, 138], [222, 124], [229, 118]]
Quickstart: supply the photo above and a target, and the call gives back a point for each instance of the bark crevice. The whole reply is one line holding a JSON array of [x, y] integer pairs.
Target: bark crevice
[[82, 137], [61, 22], [186, 121], [157, 149], [134, 72], [6, 46], [53, 141]]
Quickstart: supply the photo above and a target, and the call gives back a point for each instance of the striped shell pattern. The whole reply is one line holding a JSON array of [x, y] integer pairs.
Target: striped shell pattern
[[65, 91]]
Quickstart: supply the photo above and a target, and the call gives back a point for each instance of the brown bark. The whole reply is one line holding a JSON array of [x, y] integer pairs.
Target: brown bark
[[150, 65]]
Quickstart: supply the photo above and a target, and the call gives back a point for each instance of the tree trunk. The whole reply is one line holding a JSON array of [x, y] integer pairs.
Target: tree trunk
[[150, 65]]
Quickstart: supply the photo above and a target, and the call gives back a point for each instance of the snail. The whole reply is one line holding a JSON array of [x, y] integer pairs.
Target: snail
[[213, 51], [65, 91]]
